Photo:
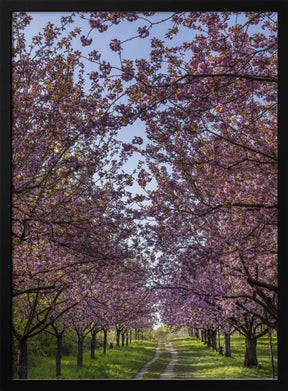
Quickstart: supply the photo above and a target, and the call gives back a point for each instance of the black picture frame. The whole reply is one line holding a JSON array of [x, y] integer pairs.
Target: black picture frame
[[7, 7]]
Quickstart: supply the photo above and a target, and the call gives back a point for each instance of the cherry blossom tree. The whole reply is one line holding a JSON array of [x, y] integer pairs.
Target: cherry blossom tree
[[205, 238], [210, 109], [68, 201]]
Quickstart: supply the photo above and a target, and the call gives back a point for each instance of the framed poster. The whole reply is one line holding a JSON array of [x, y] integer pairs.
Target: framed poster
[[141, 189]]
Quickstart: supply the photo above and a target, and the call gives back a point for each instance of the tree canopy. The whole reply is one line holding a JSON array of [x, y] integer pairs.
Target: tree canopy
[[197, 242]]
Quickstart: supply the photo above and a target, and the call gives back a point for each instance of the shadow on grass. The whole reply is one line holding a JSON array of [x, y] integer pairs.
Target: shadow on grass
[[197, 361], [117, 363]]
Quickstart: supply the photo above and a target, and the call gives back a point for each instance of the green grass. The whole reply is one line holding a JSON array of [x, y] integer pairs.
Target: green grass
[[118, 363], [197, 361], [159, 365]]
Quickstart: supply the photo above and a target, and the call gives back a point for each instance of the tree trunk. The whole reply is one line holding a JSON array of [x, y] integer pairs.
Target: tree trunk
[[105, 341], [127, 339], [93, 345], [209, 338], [227, 345], [130, 336], [118, 332], [123, 339], [197, 333], [271, 353], [80, 352], [250, 352], [214, 339], [59, 355], [202, 335], [22, 359]]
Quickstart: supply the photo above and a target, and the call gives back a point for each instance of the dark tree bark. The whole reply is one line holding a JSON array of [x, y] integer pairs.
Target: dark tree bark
[[202, 335], [80, 352], [105, 341], [250, 359], [214, 339], [23, 359], [227, 345], [209, 338], [271, 353], [205, 336], [93, 344], [118, 332], [123, 339], [59, 354]]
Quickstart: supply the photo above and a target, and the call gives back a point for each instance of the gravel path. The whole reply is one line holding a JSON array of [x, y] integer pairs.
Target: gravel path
[[147, 365], [169, 370]]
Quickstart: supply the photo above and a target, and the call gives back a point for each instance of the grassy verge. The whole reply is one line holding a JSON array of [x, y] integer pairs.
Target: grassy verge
[[196, 361], [159, 365], [117, 363]]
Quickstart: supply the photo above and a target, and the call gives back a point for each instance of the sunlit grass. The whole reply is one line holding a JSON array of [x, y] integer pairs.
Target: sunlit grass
[[197, 361], [118, 363]]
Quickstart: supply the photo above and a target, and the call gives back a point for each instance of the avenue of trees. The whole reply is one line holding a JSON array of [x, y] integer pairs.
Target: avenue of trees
[[199, 247]]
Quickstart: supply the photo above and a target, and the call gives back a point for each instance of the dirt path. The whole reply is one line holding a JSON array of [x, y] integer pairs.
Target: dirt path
[[147, 365], [169, 370]]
